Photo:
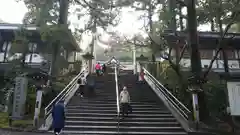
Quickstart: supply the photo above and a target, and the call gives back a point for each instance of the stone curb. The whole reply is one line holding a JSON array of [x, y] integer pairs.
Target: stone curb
[[23, 130]]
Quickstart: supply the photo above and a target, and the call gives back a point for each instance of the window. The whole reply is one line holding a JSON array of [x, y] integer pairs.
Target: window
[[5, 46], [32, 47], [229, 53], [186, 54], [2, 46], [206, 54], [78, 16], [78, 10]]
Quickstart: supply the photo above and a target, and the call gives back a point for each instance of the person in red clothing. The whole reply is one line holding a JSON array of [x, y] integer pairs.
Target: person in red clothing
[[141, 76], [98, 68]]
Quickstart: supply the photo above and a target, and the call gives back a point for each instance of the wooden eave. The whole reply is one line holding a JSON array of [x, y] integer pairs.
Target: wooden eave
[[7, 33], [207, 40]]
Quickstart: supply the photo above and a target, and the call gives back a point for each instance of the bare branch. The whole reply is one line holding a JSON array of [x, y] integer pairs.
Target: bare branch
[[182, 53], [140, 44]]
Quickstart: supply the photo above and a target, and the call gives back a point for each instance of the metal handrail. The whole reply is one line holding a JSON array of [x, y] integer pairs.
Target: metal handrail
[[59, 96], [180, 107], [117, 95], [64, 94]]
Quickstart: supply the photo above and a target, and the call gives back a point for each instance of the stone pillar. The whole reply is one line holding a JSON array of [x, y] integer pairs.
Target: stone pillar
[[37, 106], [134, 60]]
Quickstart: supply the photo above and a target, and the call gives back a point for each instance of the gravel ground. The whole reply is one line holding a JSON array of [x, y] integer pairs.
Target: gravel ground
[[4, 132]]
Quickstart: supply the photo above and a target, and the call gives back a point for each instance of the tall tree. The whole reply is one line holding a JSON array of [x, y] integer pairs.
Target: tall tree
[[41, 11], [101, 15]]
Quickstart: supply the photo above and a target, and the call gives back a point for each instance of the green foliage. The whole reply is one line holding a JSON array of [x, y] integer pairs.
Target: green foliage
[[20, 44], [208, 10], [3, 120], [216, 98], [53, 35], [41, 12], [77, 66], [214, 89], [30, 100], [103, 13]]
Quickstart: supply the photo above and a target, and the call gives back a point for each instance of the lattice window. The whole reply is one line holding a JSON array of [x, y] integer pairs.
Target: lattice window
[[230, 54], [206, 54]]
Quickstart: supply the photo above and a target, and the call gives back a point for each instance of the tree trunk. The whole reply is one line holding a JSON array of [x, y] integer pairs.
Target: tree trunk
[[219, 20], [5, 51], [212, 25], [93, 43], [173, 26], [54, 59], [195, 57], [180, 18], [63, 14]]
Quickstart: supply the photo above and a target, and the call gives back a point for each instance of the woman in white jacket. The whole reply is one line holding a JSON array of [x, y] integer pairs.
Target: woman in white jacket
[[124, 101]]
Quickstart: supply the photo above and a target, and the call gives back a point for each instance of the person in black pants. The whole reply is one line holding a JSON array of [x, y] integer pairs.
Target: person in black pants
[[125, 102], [104, 68], [81, 82]]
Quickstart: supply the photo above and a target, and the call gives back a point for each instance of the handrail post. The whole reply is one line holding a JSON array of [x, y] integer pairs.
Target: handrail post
[[117, 95], [64, 94], [45, 114]]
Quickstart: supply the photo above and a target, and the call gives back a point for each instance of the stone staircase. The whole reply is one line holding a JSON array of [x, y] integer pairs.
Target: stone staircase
[[98, 115]]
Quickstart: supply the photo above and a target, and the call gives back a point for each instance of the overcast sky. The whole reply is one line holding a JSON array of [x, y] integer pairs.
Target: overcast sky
[[11, 11]]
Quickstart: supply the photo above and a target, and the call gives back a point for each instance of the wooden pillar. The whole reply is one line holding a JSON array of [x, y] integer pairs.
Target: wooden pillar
[[5, 49]]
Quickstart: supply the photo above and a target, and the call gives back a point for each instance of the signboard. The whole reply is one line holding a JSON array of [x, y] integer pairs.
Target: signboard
[[234, 97], [19, 97]]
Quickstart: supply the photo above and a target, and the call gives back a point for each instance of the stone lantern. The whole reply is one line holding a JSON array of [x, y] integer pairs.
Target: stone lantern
[[40, 79], [194, 89]]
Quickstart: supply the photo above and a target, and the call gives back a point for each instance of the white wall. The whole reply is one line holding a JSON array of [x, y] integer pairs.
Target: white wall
[[232, 63], [36, 58]]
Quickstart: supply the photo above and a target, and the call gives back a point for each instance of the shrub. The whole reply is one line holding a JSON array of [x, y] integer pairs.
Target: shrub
[[214, 89]]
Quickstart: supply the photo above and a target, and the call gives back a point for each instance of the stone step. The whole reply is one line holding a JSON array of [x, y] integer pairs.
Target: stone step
[[132, 94], [92, 118], [133, 115], [122, 123], [87, 100], [92, 110], [123, 133], [114, 107], [98, 114], [122, 128], [75, 100], [106, 104]]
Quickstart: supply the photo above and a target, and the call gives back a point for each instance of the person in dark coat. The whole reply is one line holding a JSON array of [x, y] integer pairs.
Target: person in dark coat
[[104, 68], [58, 115], [90, 84]]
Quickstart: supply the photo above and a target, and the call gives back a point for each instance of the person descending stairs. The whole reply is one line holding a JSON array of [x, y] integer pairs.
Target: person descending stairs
[[98, 115]]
